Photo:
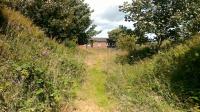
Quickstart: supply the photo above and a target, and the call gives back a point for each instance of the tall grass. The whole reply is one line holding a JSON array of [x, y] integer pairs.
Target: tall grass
[[167, 82], [36, 73]]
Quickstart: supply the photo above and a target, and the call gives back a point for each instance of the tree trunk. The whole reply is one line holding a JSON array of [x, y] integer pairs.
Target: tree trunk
[[159, 44]]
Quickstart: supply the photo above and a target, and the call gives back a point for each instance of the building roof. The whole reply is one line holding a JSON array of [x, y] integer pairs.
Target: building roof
[[99, 39]]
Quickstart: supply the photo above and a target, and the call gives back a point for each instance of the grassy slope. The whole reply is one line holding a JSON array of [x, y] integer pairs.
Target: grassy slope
[[36, 73], [162, 83]]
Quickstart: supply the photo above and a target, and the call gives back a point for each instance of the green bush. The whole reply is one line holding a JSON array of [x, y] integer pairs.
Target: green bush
[[169, 81], [60, 19], [137, 54], [126, 42], [70, 43], [140, 52], [180, 68]]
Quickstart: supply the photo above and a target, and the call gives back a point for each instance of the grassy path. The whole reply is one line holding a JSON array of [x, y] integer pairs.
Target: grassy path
[[92, 97]]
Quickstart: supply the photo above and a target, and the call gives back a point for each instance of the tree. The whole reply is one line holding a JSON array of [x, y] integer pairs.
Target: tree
[[124, 38], [115, 33], [60, 19], [167, 19], [126, 42], [92, 32]]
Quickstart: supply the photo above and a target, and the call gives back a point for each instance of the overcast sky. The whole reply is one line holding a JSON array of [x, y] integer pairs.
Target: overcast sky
[[106, 15]]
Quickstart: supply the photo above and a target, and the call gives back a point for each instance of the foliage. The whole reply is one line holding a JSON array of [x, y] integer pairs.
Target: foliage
[[92, 32], [60, 19], [70, 43], [88, 35], [169, 81], [126, 42], [174, 19], [144, 51], [123, 37], [36, 73], [115, 33], [140, 53], [180, 69]]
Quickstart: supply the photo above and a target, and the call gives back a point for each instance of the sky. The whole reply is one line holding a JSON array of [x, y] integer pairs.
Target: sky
[[107, 16]]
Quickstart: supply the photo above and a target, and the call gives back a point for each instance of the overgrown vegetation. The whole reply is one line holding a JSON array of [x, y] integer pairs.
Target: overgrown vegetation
[[169, 19], [158, 25], [165, 57], [63, 20], [36, 73], [167, 82]]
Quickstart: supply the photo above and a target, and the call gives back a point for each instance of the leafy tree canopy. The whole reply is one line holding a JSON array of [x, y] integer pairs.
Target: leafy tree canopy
[[115, 33], [167, 19], [60, 19]]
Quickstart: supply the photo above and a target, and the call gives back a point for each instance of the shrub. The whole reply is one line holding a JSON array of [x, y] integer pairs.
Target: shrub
[[70, 43], [169, 81], [180, 70], [126, 42], [37, 73]]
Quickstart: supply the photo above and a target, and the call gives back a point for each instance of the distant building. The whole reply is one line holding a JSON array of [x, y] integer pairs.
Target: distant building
[[101, 43], [98, 42]]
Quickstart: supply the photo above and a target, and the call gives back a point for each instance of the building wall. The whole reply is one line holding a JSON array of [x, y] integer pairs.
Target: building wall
[[100, 45], [95, 45]]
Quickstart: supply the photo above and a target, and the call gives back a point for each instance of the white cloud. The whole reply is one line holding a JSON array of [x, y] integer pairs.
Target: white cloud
[[106, 15]]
